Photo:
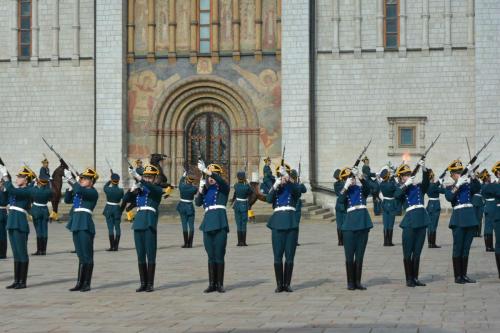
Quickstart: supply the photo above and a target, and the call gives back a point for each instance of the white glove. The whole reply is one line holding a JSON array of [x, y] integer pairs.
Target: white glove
[[203, 168], [184, 174], [440, 181], [409, 181], [3, 171], [202, 185], [462, 180], [69, 177], [134, 173], [422, 164], [348, 183], [277, 183], [355, 171]]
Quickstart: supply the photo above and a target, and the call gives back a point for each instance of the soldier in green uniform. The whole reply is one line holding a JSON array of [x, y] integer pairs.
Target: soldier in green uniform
[[489, 213], [463, 222], [240, 206], [491, 193], [213, 195], [478, 203], [145, 224], [40, 195], [357, 224], [82, 225], [112, 212], [284, 226], [433, 207], [268, 180], [340, 209], [298, 207], [4, 201], [185, 207], [17, 221], [415, 220], [388, 187]]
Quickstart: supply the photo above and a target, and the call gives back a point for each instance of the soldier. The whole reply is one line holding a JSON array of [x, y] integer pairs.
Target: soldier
[[284, 226], [44, 170], [17, 221], [478, 203], [491, 193], [298, 207], [268, 180], [40, 195], [240, 206], [463, 222], [433, 207], [129, 199], [489, 212], [4, 201], [415, 220], [185, 207], [388, 187], [81, 224], [357, 224], [112, 211], [145, 224], [340, 209], [213, 194], [377, 205]]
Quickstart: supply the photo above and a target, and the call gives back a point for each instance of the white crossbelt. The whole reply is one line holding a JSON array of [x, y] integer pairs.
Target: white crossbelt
[[112, 203], [463, 206], [433, 199], [479, 195], [39, 204], [185, 200], [19, 209], [388, 198], [284, 209], [215, 207], [490, 199], [414, 207], [84, 210], [238, 199], [146, 208], [350, 209]]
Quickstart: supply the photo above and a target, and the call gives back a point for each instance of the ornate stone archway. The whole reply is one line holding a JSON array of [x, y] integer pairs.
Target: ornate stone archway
[[187, 99]]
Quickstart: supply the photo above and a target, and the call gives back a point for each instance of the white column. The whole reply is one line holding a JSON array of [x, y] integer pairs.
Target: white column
[[357, 28], [425, 27], [402, 28], [55, 33], [14, 52], [380, 28], [76, 32], [336, 22], [470, 26], [447, 27], [35, 31]]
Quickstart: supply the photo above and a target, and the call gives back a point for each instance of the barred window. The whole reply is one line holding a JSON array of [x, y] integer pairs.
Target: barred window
[[24, 25], [391, 24], [204, 26]]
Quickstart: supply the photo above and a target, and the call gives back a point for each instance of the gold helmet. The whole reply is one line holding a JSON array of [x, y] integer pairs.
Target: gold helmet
[[345, 173], [215, 168], [267, 159], [455, 166], [151, 170], [90, 173], [403, 169], [483, 174], [287, 168], [27, 173], [496, 167]]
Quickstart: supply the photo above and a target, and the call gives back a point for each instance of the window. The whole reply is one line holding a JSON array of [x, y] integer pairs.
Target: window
[[391, 24], [204, 33], [24, 24], [406, 137]]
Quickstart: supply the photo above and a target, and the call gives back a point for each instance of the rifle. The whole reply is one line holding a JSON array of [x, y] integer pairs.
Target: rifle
[[283, 156], [468, 147], [300, 167], [362, 153], [64, 164], [414, 172], [109, 165], [484, 160], [473, 159]]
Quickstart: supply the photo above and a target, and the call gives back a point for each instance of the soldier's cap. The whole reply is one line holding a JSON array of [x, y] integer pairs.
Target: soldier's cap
[[241, 175], [115, 177], [45, 161], [267, 159], [496, 167], [90, 174], [336, 174], [345, 173], [215, 168], [365, 159], [456, 166], [27, 173], [287, 168], [151, 170], [483, 174], [294, 173], [43, 179], [385, 174], [403, 170], [190, 178]]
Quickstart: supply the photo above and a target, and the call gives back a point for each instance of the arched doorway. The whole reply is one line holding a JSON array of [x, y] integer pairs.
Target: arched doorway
[[208, 137]]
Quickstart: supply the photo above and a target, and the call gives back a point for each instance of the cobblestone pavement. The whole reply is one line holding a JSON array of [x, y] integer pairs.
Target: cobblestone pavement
[[320, 302]]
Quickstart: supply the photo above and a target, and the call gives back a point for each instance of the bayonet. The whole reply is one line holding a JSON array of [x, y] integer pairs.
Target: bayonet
[[414, 172], [474, 158], [365, 148]]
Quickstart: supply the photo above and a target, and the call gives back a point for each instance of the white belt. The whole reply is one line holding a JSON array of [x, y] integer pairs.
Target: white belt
[[491, 199], [185, 200], [350, 209], [3, 207], [414, 207], [112, 203], [215, 207], [39, 204], [19, 209], [85, 210], [463, 206], [284, 208], [146, 208], [479, 195], [388, 198], [433, 199], [238, 199]]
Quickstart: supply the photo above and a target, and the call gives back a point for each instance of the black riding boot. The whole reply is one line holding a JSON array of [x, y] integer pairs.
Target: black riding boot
[[16, 276], [358, 266], [143, 276], [389, 237], [44, 246], [240, 242], [111, 243], [385, 238], [23, 275], [340, 236], [79, 278], [488, 241], [244, 238], [186, 241], [465, 264], [211, 279], [497, 258], [288, 277], [278, 273], [38, 247], [117, 242], [457, 270], [415, 269], [87, 277], [408, 273], [190, 239], [219, 281], [151, 277], [3, 249], [349, 268]]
